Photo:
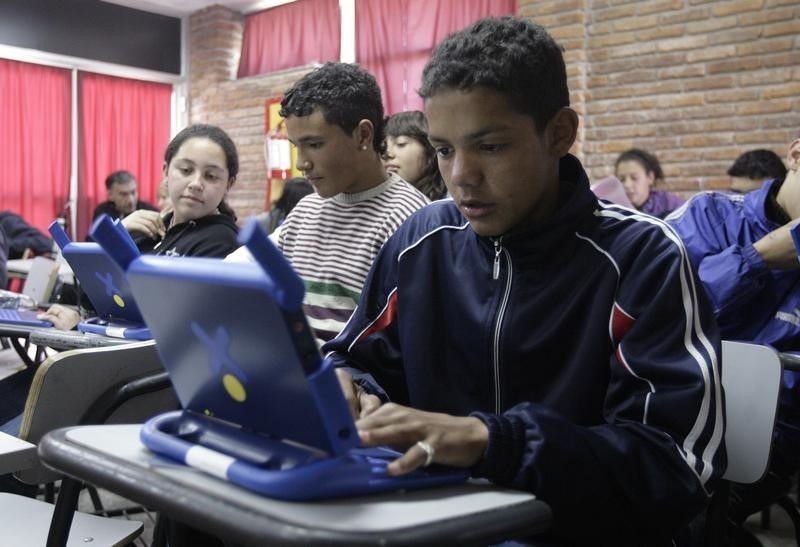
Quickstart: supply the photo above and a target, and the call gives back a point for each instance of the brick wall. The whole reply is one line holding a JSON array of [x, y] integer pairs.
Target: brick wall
[[696, 82], [237, 106]]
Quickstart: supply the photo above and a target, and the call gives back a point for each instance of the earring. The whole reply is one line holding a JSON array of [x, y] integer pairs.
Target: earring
[[364, 147]]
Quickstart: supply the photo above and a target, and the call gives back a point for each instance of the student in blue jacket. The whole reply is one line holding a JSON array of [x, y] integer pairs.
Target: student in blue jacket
[[545, 340], [748, 263]]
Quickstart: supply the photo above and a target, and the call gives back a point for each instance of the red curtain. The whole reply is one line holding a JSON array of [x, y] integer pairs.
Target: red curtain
[[123, 124], [291, 35], [34, 140], [394, 39]]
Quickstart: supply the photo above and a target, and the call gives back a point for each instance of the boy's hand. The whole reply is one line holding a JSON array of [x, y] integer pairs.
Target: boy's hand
[[145, 222], [360, 402], [425, 436]]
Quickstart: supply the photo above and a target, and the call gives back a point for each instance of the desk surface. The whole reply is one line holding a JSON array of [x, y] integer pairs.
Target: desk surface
[[113, 458], [70, 339], [16, 454]]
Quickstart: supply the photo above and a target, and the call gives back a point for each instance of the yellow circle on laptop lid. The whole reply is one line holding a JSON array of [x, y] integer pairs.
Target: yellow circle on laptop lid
[[234, 388], [119, 301]]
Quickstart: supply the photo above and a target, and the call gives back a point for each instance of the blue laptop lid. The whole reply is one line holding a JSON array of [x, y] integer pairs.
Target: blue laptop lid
[[101, 278], [234, 353]]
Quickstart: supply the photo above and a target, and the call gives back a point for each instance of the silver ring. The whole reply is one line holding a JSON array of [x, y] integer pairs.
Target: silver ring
[[429, 452]]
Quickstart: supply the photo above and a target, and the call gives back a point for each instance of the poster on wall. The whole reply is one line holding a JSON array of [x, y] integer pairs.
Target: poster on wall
[[279, 155]]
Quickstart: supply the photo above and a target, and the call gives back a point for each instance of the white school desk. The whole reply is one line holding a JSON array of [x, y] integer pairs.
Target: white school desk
[[20, 267], [111, 457], [16, 454]]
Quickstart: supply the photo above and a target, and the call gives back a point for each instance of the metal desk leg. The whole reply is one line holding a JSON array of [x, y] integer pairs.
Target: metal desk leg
[[63, 512]]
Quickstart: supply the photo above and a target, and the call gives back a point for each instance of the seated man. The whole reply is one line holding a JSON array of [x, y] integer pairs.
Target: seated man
[[545, 340], [747, 262], [122, 197], [753, 168]]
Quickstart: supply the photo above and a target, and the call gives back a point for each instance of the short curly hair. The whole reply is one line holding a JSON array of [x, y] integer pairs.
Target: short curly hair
[[758, 164], [511, 56], [345, 93]]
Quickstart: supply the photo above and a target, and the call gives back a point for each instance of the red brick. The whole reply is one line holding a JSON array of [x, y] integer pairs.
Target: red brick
[[731, 95], [684, 42], [708, 25], [766, 16], [736, 65], [779, 29], [738, 35], [681, 71], [774, 45], [684, 16], [658, 6], [661, 33], [615, 39], [635, 23], [720, 9], [711, 53], [787, 59], [764, 107]]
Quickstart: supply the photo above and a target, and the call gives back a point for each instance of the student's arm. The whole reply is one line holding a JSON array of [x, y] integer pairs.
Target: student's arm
[[733, 275], [777, 248]]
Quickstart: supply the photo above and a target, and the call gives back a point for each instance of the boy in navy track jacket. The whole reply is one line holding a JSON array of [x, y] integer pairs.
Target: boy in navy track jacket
[[545, 340]]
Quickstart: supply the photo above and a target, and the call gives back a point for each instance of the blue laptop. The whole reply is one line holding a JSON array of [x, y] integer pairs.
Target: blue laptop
[[261, 407], [104, 283]]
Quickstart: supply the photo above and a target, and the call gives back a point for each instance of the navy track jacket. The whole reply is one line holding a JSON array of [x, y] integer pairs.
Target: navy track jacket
[[585, 343]]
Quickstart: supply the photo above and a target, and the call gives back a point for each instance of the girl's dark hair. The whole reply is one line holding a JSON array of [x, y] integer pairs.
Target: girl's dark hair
[[414, 125], [645, 159], [294, 189], [218, 136]]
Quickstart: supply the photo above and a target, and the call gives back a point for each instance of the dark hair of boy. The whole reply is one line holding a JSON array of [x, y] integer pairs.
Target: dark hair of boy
[[758, 164], [345, 93], [508, 55]]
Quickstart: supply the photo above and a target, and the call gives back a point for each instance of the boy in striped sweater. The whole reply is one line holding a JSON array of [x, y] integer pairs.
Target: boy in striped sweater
[[334, 117]]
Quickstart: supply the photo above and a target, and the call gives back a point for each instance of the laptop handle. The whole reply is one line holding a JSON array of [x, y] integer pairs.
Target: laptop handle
[[286, 287], [59, 235], [115, 240]]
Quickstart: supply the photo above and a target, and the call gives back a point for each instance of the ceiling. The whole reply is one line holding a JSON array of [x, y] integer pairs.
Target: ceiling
[[180, 8]]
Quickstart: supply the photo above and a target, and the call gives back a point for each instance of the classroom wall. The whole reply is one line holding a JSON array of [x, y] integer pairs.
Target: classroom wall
[[697, 82]]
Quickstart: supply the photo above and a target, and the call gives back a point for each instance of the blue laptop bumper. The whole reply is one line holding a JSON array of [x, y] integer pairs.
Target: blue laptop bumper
[[285, 471]]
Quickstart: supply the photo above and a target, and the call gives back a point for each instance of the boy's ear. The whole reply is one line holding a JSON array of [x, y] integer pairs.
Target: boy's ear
[[364, 134], [793, 156], [562, 131]]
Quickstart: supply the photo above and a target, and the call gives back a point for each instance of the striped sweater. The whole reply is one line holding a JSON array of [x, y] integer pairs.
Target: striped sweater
[[332, 242]]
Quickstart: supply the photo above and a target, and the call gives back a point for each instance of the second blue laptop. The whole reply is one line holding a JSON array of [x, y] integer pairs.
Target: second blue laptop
[[261, 407], [105, 285]]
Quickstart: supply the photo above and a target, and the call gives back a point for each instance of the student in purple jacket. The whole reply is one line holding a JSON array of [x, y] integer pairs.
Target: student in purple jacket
[[639, 170]]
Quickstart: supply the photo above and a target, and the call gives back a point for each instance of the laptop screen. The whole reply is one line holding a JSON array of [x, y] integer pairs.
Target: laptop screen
[[233, 353]]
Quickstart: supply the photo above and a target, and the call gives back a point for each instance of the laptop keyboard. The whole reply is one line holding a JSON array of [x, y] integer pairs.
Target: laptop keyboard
[[12, 315]]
